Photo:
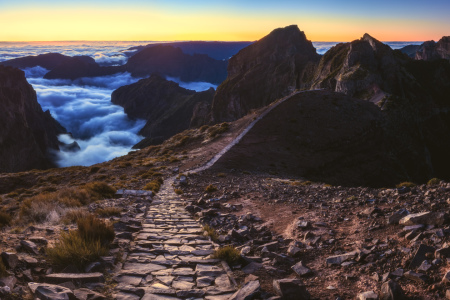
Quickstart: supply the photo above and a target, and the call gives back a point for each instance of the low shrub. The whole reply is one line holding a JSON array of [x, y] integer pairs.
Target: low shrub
[[228, 253], [73, 249], [211, 232], [5, 219], [221, 175], [71, 216], [3, 272], [210, 188], [406, 184], [100, 190], [433, 181], [90, 228], [108, 211], [94, 169], [179, 191], [154, 185]]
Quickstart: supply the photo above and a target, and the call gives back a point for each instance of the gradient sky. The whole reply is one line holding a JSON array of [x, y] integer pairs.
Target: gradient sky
[[152, 20]]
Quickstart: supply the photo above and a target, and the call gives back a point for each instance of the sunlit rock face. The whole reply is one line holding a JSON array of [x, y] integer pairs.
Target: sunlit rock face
[[27, 133], [270, 68], [431, 50]]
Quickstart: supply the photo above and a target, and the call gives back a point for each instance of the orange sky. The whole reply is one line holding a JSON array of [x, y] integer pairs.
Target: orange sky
[[153, 21]]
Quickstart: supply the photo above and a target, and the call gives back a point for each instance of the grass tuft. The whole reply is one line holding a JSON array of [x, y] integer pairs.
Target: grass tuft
[[210, 188], [211, 232], [154, 185], [406, 184], [82, 246], [228, 253], [3, 272], [179, 191], [5, 219], [433, 181], [108, 211]]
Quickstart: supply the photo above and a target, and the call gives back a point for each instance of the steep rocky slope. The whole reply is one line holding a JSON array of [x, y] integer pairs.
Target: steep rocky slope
[[80, 66], [431, 50], [26, 132], [167, 107], [318, 135], [270, 68]]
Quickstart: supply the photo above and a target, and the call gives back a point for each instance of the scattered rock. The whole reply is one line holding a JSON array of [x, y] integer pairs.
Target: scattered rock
[[291, 289]]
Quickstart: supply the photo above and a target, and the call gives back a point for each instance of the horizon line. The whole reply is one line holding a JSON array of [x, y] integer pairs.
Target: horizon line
[[178, 41]]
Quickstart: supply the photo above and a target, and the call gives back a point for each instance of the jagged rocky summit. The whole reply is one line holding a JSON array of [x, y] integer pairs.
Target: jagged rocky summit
[[27, 134], [431, 50], [266, 70]]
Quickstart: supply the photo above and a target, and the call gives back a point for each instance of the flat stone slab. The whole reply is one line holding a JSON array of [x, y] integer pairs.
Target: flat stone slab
[[142, 268], [81, 277]]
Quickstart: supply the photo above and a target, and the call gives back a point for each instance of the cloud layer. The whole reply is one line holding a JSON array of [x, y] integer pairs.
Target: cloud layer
[[84, 107]]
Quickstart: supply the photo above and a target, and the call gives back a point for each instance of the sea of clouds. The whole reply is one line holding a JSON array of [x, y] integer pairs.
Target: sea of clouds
[[83, 106]]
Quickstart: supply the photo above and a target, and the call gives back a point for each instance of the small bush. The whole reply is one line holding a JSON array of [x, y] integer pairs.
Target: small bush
[[433, 181], [3, 272], [108, 211], [179, 191], [211, 232], [71, 216], [210, 188], [73, 249], [221, 175], [218, 129], [5, 219], [94, 170], [406, 184], [228, 253], [100, 190], [93, 229], [154, 185]]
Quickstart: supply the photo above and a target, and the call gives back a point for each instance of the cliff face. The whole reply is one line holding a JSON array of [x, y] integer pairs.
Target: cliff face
[[167, 107], [171, 61], [26, 132], [270, 68], [431, 50]]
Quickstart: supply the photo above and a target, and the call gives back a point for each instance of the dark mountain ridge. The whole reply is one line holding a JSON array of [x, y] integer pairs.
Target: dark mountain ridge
[[27, 134]]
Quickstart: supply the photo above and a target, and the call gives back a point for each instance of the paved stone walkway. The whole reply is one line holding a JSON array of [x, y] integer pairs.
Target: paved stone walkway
[[170, 258]]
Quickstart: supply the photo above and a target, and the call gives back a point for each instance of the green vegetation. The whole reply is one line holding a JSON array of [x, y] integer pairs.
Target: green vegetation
[[108, 211], [433, 181], [79, 247], [3, 272], [179, 192], [406, 184], [228, 253], [210, 188], [211, 232], [154, 185], [5, 219]]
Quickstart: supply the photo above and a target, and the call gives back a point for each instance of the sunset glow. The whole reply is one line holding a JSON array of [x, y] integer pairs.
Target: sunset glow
[[136, 20]]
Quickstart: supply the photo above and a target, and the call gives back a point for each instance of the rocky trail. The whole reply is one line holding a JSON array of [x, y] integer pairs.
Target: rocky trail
[[171, 258]]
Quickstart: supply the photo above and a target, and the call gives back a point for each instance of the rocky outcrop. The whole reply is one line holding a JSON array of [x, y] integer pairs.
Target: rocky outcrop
[[80, 66], [366, 69], [171, 61], [26, 132], [410, 50], [47, 61], [432, 51], [167, 107], [270, 68]]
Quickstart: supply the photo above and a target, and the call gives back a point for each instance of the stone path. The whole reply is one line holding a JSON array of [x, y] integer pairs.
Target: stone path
[[170, 258]]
